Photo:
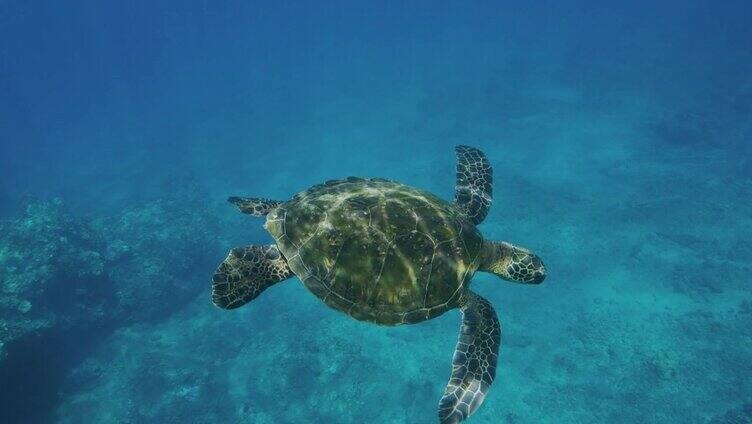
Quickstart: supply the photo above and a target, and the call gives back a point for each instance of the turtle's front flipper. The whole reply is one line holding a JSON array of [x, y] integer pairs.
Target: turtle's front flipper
[[474, 362], [247, 272], [474, 188], [253, 205]]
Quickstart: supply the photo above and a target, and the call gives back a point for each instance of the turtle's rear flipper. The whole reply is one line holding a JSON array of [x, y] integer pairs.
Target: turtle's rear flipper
[[247, 272], [474, 362], [253, 205], [474, 188]]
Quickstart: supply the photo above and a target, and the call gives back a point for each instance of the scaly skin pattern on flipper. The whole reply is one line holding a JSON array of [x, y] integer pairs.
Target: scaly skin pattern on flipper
[[474, 362], [474, 190], [378, 250], [255, 206], [247, 272]]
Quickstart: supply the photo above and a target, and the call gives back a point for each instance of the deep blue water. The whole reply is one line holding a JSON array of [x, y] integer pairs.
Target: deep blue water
[[621, 138]]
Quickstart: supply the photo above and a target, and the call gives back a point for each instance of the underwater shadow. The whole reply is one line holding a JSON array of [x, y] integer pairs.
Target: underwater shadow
[[35, 368]]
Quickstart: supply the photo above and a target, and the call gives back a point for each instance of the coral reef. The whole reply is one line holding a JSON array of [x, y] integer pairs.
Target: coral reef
[[65, 282], [153, 253], [51, 272], [59, 270]]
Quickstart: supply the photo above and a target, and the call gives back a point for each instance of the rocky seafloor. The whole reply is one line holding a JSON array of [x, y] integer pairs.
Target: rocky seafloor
[[639, 207], [646, 314], [68, 281]]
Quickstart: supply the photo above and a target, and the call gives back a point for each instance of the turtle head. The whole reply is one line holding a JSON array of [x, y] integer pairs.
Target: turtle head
[[512, 263]]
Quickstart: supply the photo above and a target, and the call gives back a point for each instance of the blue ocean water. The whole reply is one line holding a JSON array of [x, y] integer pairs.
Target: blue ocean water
[[621, 138]]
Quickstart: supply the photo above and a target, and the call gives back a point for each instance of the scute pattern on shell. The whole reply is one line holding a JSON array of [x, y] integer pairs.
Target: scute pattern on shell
[[377, 250]]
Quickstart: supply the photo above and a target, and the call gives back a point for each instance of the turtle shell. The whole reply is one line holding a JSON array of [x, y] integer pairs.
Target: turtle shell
[[377, 250]]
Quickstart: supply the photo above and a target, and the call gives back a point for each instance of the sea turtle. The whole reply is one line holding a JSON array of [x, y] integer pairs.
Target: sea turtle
[[391, 254]]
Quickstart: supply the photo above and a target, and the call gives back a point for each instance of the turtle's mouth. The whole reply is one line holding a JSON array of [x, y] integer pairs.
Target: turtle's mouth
[[540, 271]]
